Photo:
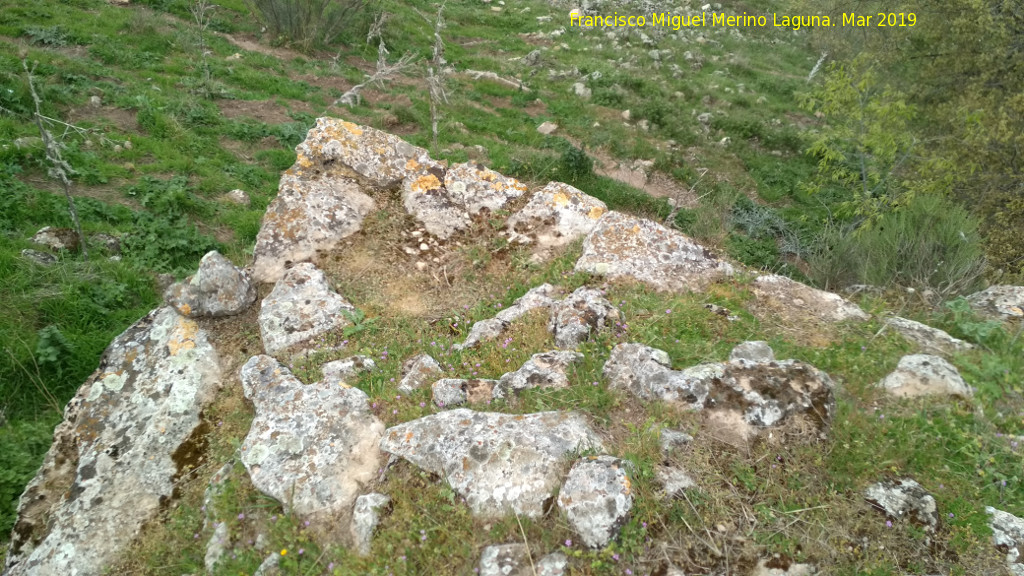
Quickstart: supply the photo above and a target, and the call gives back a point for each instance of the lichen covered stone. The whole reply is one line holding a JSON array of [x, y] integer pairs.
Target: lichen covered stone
[[597, 498], [500, 463], [126, 434], [218, 288], [556, 215], [302, 306]]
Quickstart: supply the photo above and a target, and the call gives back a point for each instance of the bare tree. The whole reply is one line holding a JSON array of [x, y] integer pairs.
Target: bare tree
[[202, 11], [385, 71], [435, 74], [59, 168]]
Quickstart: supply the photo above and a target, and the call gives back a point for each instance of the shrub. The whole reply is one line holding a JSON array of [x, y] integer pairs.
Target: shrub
[[307, 23], [576, 164], [930, 243]]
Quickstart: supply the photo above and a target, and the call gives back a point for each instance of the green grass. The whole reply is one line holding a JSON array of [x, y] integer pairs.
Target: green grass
[[161, 196]]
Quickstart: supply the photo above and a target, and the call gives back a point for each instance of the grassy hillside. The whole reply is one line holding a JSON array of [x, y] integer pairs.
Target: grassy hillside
[[714, 143]]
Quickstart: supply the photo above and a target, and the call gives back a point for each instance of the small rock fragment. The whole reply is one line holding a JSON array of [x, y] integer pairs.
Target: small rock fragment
[[905, 499], [218, 288], [925, 375], [301, 307], [347, 370], [365, 517], [580, 314], [544, 370], [753, 351], [417, 371]]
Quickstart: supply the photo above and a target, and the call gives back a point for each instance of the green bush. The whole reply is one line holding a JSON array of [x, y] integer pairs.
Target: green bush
[[307, 23], [930, 243]]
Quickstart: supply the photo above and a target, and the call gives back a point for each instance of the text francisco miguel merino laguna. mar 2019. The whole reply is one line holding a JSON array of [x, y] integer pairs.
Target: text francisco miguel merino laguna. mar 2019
[[718, 19]]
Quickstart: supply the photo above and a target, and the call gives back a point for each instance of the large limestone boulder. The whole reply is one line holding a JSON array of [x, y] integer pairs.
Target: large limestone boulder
[[478, 188], [925, 375], [929, 340], [302, 306], [307, 216], [623, 246], [219, 288], [556, 215], [795, 300], [597, 498], [366, 154], [115, 456], [580, 314], [999, 302], [500, 463], [311, 447]]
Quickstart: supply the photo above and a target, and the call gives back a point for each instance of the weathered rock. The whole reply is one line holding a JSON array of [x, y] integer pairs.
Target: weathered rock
[[456, 391], [542, 296], [740, 396], [580, 89], [57, 238], [115, 456], [930, 340], [219, 288], [347, 370], [647, 373], [269, 566], [556, 215], [306, 217], [581, 313], [543, 370], [240, 197], [109, 243], [597, 499], [302, 306], [418, 371], [672, 440], [1000, 302], [553, 564], [673, 479], [361, 152], [779, 567], [623, 246], [426, 199], [1008, 536], [925, 375], [794, 299], [905, 499], [38, 257], [365, 517], [753, 351], [310, 447], [506, 560], [499, 463], [547, 128], [220, 541], [478, 188]]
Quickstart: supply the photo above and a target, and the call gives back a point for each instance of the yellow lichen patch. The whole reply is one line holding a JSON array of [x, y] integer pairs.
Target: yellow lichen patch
[[185, 309], [498, 186], [596, 212], [183, 337], [560, 199], [488, 176], [352, 128], [412, 164], [627, 485], [303, 161], [425, 183]]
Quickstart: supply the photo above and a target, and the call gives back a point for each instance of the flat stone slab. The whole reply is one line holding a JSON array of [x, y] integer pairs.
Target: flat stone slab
[[905, 500], [115, 455], [925, 375], [311, 447], [1000, 302], [597, 498], [556, 215], [624, 246], [301, 307], [929, 340], [500, 463], [308, 215], [793, 299], [218, 288]]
